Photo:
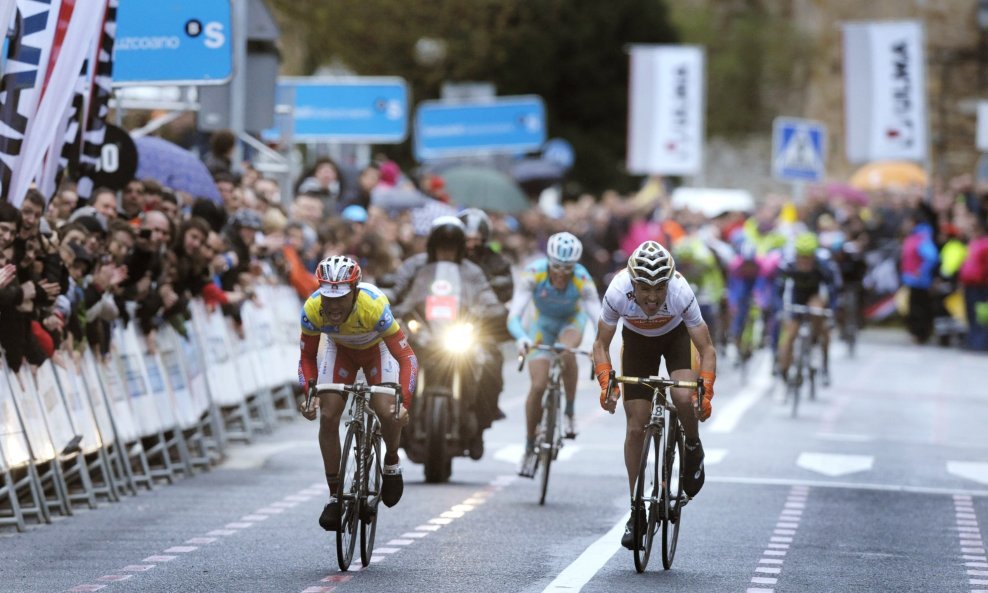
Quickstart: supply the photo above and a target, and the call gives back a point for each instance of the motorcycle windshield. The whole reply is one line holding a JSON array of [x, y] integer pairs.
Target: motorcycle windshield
[[436, 293]]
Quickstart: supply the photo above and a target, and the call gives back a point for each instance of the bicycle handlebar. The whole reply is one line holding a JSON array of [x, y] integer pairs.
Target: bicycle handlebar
[[811, 311], [656, 382], [555, 349], [357, 388]]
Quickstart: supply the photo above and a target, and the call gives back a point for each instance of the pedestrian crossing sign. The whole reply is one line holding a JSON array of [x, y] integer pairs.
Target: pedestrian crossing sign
[[799, 149]]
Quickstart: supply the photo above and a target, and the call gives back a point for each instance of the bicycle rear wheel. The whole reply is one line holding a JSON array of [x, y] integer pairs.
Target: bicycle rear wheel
[[547, 445], [349, 497], [644, 507], [375, 477], [672, 493]]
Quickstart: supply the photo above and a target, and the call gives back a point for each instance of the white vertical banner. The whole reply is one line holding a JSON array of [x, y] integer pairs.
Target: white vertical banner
[[885, 91], [68, 54], [666, 103], [982, 137]]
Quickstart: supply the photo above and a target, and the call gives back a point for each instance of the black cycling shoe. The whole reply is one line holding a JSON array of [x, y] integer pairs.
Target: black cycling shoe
[[330, 517], [693, 472], [392, 487], [627, 540]]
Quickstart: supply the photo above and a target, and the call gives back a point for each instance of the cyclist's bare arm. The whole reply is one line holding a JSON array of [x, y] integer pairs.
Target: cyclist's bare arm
[[700, 335], [602, 344]]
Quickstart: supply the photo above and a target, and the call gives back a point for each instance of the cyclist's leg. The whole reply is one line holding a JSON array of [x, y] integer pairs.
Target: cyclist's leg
[[333, 370], [571, 336], [790, 328], [822, 331], [538, 371], [678, 354], [639, 358], [381, 367]]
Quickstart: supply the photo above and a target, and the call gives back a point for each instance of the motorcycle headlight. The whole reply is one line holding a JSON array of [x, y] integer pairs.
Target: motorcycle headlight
[[458, 338]]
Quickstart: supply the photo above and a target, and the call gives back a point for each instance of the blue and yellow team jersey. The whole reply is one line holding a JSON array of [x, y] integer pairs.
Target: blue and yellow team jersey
[[370, 321], [553, 303]]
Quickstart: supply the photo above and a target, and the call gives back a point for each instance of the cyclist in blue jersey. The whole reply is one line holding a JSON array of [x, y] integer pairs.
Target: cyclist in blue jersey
[[565, 297]]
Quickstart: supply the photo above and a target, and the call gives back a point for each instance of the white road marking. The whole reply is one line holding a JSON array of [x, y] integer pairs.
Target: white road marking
[[730, 414], [831, 464], [970, 470], [576, 575]]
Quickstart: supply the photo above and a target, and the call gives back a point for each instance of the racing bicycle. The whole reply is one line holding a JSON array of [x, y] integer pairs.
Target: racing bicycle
[[804, 365], [549, 433], [658, 497], [361, 467]]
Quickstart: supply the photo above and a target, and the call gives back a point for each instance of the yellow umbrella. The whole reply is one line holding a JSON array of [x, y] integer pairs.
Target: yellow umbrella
[[889, 175]]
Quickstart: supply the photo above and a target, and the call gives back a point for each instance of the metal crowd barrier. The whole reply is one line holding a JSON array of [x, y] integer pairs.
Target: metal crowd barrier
[[95, 428]]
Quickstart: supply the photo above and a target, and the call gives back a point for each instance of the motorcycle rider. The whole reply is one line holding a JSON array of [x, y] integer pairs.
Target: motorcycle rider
[[497, 268], [447, 242]]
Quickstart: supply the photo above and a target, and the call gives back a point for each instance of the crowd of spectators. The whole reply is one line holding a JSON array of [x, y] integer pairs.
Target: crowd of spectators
[[68, 270]]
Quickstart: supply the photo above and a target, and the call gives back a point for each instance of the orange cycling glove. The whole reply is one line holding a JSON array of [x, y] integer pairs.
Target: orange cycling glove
[[603, 373], [708, 378]]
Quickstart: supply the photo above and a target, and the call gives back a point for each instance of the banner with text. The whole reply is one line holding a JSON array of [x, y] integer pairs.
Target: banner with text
[[885, 91], [666, 103]]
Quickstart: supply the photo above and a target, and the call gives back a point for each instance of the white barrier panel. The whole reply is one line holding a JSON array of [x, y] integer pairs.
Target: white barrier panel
[[187, 412], [116, 392], [259, 327], [244, 359], [154, 380], [222, 375], [13, 441], [94, 392], [60, 427], [199, 386], [288, 313], [31, 415], [130, 365], [83, 417]]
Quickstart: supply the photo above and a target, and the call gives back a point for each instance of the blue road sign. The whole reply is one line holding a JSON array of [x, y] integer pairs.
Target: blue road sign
[[504, 124], [172, 42], [799, 150], [359, 109]]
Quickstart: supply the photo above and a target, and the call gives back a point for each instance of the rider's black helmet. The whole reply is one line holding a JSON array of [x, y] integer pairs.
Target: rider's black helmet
[[446, 231]]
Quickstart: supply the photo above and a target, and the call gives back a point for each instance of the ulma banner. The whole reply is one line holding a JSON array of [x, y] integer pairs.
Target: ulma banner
[[666, 110], [885, 91]]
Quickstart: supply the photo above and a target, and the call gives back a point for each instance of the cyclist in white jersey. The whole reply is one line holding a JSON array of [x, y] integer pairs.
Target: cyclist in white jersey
[[661, 319]]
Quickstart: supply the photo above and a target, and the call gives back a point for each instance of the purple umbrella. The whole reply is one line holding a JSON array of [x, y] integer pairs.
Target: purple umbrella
[[174, 167], [842, 190]]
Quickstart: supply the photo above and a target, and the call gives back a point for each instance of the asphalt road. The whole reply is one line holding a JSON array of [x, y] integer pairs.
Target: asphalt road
[[881, 484]]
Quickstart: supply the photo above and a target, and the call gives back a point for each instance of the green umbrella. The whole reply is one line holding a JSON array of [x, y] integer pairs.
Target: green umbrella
[[489, 189]]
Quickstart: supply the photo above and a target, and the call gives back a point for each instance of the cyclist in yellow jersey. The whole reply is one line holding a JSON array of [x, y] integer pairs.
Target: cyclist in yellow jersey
[[363, 335]]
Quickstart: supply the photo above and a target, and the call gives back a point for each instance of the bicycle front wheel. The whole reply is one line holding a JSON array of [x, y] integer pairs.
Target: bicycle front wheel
[[349, 497], [644, 507], [547, 444], [374, 473], [672, 494]]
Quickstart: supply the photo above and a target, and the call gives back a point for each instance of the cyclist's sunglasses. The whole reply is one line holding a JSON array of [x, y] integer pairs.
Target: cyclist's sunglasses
[[558, 267]]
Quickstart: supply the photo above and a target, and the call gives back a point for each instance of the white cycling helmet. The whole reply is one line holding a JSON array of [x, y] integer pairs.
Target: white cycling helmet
[[564, 248], [338, 275], [651, 264]]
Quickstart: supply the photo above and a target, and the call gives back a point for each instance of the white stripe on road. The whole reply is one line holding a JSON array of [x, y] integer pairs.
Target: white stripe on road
[[728, 417], [577, 574]]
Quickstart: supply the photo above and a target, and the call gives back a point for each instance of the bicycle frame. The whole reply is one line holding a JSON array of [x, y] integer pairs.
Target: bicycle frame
[[659, 504], [802, 348], [363, 427], [549, 435]]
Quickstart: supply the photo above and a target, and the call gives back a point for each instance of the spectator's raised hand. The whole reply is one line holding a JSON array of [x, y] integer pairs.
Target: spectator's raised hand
[[118, 275], [52, 289], [7, 273]]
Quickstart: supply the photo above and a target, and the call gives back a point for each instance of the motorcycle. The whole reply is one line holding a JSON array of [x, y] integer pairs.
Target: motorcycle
[[446, 340]]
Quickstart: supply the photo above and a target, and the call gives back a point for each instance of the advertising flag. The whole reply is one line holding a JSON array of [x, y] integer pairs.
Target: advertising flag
[[97, 107], [666, 98], [74, 29], [29, 47], [885, 91]]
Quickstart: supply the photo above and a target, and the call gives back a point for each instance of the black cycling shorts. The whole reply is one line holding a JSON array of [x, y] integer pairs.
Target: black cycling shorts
[[642, 355]]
